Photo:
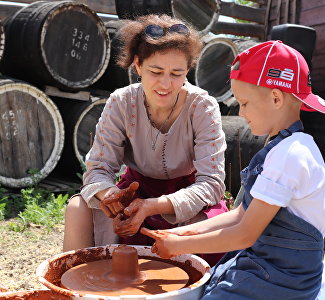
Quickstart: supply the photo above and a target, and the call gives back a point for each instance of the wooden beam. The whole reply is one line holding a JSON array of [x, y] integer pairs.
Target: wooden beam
[[239, 29], [260, 2], [243, 12]]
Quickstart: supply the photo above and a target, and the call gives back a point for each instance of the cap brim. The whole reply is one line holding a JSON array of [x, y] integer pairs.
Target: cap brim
[[312, 100]]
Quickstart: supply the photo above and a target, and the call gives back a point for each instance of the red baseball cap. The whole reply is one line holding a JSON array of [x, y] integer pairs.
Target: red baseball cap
[[274, 64]]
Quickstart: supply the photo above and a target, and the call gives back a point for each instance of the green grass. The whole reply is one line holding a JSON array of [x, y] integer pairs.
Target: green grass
[[32, 206]]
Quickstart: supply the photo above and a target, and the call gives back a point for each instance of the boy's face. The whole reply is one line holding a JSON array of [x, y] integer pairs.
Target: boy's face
[[256, 106]]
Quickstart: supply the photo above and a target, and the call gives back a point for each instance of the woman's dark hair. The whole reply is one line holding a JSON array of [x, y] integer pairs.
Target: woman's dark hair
[[135, 42]]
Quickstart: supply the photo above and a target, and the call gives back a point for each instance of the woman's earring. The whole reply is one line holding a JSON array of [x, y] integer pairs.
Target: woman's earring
[[139, 79]]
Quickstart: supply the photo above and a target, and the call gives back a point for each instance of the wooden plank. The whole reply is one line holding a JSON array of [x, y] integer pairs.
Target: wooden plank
[[267, 16], [313, 16], [54, 184], [240, 29], [260, 2], [286, 12], [243, 12], [80, 95], [278, 12], [293, 12], [311, 4]]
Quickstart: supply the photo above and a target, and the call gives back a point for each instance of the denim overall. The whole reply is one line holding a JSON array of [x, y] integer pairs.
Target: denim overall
[[285, 263]]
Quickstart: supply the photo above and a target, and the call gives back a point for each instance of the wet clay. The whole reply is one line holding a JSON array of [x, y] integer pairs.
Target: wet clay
[[124, 274]]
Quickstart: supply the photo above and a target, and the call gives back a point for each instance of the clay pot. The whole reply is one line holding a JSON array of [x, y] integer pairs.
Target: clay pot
[[50, 271]]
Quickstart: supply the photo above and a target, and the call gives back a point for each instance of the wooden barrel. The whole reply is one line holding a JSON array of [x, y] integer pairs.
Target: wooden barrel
[[214, 62], [31, 134], [114, 76], [241, 147], [314, 124], [59, 43], [80, 119], [2, 40], [200, 13], [130, 9]]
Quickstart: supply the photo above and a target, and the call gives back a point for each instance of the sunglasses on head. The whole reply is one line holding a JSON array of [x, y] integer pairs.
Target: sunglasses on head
[[156, 31]]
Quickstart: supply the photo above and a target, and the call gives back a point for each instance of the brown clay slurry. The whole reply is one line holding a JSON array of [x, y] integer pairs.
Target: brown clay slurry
[[93, 278]]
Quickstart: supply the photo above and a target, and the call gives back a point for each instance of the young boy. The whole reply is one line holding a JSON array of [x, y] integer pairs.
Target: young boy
[[280, 224]]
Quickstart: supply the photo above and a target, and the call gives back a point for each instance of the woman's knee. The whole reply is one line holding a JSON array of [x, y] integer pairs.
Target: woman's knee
[[76, 202]]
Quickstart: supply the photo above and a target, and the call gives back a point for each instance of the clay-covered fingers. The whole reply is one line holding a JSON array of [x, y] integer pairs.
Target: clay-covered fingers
[[122, 195], [124, 227]]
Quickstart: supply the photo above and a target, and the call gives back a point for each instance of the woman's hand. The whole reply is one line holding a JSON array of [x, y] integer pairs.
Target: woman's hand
[[166, 244], [135, 214], [113, 198]]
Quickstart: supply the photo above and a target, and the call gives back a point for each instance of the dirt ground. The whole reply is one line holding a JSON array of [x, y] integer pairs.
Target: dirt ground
[[21, 253]]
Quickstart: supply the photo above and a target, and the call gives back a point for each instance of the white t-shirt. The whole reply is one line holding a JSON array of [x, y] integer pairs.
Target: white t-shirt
[[293, 176]]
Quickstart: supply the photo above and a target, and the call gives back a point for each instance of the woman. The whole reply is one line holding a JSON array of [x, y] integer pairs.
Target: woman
[[166, 131]]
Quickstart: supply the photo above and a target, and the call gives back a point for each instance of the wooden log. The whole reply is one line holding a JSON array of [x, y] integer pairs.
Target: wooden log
[[71, 60], [213, 66], [80, 120], [247, 29], [241, 147], [31, 134]]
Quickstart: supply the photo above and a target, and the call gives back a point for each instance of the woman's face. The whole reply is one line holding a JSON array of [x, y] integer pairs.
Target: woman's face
[[163, 75]]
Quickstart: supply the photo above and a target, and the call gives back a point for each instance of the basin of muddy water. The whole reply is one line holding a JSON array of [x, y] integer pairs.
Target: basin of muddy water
[[123, 272]]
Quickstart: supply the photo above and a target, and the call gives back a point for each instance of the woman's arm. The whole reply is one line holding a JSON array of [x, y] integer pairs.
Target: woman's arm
[[105, 157], [233, 237]]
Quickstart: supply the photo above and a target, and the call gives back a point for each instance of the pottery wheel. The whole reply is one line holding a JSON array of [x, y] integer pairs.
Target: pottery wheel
[[94, 278]]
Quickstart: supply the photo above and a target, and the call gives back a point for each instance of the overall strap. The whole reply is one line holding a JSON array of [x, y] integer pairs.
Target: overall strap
[[295, 127], [255, 167]]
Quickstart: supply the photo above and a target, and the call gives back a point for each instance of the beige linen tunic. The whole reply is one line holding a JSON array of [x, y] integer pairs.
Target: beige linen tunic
[[195, 141]]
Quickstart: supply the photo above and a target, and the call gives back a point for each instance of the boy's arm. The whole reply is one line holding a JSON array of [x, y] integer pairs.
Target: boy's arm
[[238, 236], [221, 221]]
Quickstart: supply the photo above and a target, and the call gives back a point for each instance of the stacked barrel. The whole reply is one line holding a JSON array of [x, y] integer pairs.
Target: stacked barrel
[[63, 45], [58, 68]]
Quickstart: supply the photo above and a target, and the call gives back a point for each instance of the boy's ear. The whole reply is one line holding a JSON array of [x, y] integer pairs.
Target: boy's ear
[[277, 97]]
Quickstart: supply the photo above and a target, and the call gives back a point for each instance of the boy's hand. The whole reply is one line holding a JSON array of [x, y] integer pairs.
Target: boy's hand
[[166, 242], [112, 202]]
